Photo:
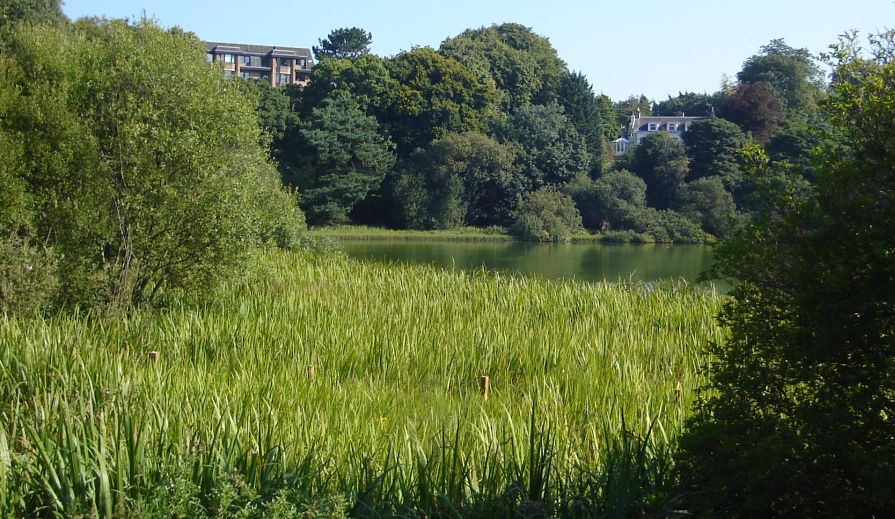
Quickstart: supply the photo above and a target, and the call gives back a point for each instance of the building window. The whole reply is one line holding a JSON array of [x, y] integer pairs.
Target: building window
[[652, 127], [284, 79], [228, 58], [672, 127], [303, 63], [246, 75], [228, 74], [209, 56], [245, 60]]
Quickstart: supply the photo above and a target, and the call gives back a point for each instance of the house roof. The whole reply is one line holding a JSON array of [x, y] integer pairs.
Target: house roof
[[258, 50]]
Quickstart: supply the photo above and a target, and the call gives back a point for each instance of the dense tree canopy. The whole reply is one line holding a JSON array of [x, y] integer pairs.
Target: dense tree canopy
[[792, 75], [462, 179], [435, 96], [551, 149], [713, 148]]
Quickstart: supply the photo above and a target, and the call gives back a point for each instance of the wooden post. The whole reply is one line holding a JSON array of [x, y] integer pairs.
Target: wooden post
[[153, 356], [310, 371], [677, 392], [484, 386]]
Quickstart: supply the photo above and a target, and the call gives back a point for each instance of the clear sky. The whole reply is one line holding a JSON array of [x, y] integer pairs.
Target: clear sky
[[653, 47]]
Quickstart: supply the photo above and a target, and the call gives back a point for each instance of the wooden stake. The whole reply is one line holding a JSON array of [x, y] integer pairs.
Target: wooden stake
[[153, 356], [484, 386], [310, 371]]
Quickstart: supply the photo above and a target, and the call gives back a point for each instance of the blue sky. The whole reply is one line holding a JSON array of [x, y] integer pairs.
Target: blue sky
[[651, 47]]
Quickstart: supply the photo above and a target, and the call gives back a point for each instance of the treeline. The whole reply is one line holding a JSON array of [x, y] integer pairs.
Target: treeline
[[493, 129]]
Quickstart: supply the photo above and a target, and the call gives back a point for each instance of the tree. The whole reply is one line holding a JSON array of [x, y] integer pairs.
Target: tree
[[798, 414], [688, 103], [120, 129], [546, 215], [712, 146], [513, 71], [365, 78], [552, 151], [586, 113], [755, 109], [462, 179], [707, 202], [612, 201], [13, 12], [661, 161], [346, 159], [792, 75], [434, 96], [272, 107], [345, 43]]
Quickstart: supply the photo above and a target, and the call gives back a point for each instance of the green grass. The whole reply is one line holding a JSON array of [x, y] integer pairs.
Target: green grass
[[329, 386]]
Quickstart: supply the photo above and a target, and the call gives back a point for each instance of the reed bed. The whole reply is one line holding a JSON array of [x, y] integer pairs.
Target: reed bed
[[329, 387]]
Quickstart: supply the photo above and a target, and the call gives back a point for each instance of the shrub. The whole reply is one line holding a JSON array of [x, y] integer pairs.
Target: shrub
[[547, 215]]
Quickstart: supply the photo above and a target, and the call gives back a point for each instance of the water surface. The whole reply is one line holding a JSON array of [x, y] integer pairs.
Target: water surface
[[591, 262]]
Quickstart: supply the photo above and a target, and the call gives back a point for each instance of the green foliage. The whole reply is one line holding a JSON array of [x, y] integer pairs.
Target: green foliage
[[661, 161], [552, 151], [435, 96], [712, 146], [546, 215], [120, 130], [613, 201], [513, 71], [792, 75], [462, 179], [346, 158], [273, 107], [797, 417], [707, 202], [344, 43], [15, 12], [365, 78], [687, 103], [667, 226], [795, 145], [587, 114]]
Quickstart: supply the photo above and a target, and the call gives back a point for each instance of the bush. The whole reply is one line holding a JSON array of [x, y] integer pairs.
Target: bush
[[27, 276], [547, 215], [667, 226], [706, 202]]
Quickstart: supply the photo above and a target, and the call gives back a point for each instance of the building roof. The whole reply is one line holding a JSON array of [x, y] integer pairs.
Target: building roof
[[258, 50], [665, 119]]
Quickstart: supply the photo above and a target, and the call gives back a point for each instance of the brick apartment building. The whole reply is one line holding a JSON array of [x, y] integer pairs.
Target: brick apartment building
[[277, 65]]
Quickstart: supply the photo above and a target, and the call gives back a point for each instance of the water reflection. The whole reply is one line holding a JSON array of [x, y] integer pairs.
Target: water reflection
[[590, 262]]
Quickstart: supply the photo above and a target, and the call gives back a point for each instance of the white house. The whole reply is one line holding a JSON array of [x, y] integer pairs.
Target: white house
[[639, 127]]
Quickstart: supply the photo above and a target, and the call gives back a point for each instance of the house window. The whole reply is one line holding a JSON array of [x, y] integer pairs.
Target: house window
[[246, 75], [245, 60], [303, 63], [228, 74], [228, 58], [284, 79], [652, 127], [672, 127], [209, 56]]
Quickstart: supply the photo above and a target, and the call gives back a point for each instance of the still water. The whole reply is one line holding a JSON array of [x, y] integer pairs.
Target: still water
[[591, 262]]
